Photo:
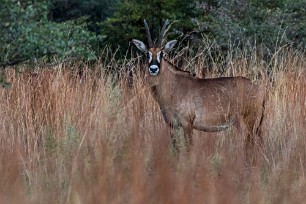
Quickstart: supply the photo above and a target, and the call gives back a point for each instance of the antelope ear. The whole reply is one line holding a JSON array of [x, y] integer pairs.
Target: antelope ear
[[140, 45], [169, 45]]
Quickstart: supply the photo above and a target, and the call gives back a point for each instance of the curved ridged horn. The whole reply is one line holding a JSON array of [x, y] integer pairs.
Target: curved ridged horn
[[162, 33], [148, 33]]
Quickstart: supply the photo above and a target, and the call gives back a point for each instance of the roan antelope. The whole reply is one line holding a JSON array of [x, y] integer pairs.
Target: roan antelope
[[209, 105]]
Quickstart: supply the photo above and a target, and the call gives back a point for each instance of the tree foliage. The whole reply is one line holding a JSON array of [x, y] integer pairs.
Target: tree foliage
[[27, 34], [44, 29], [94, 10], [268, 22], [127, 21]]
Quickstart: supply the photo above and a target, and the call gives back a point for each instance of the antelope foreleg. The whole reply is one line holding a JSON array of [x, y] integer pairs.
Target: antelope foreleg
[[188, 136], [174, 138]]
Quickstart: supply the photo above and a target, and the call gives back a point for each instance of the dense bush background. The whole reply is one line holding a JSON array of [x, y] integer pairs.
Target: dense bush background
[[31, 31]]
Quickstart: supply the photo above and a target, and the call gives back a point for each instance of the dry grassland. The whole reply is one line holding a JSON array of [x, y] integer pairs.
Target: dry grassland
[[66, 138]]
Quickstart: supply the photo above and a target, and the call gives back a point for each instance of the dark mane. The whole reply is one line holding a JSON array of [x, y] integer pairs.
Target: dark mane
[[178, 69]]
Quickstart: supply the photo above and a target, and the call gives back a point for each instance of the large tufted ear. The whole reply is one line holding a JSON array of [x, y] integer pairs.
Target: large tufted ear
[[169, 45], [140, 45]]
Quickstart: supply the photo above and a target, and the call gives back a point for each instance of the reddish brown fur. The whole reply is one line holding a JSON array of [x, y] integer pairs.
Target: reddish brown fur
[[208, 105]]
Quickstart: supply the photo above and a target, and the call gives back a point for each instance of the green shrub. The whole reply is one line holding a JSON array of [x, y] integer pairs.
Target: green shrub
[[27, 34]]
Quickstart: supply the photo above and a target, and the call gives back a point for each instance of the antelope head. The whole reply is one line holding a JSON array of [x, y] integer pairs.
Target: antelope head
[[155, 52]]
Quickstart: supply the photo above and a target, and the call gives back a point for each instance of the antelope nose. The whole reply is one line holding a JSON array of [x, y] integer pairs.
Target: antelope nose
[[153, 68]]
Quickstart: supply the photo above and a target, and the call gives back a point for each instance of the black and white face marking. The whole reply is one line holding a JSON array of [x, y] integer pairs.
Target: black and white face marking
[[154, 60], [154, 63]]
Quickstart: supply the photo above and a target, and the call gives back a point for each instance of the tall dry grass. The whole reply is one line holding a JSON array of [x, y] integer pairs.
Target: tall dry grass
[[70, 138]]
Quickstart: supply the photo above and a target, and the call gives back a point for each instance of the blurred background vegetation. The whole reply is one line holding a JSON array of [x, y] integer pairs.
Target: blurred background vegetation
[[34, 31]]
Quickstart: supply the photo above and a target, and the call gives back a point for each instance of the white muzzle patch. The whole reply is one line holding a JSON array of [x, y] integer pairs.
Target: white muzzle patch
[[153, 70]]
